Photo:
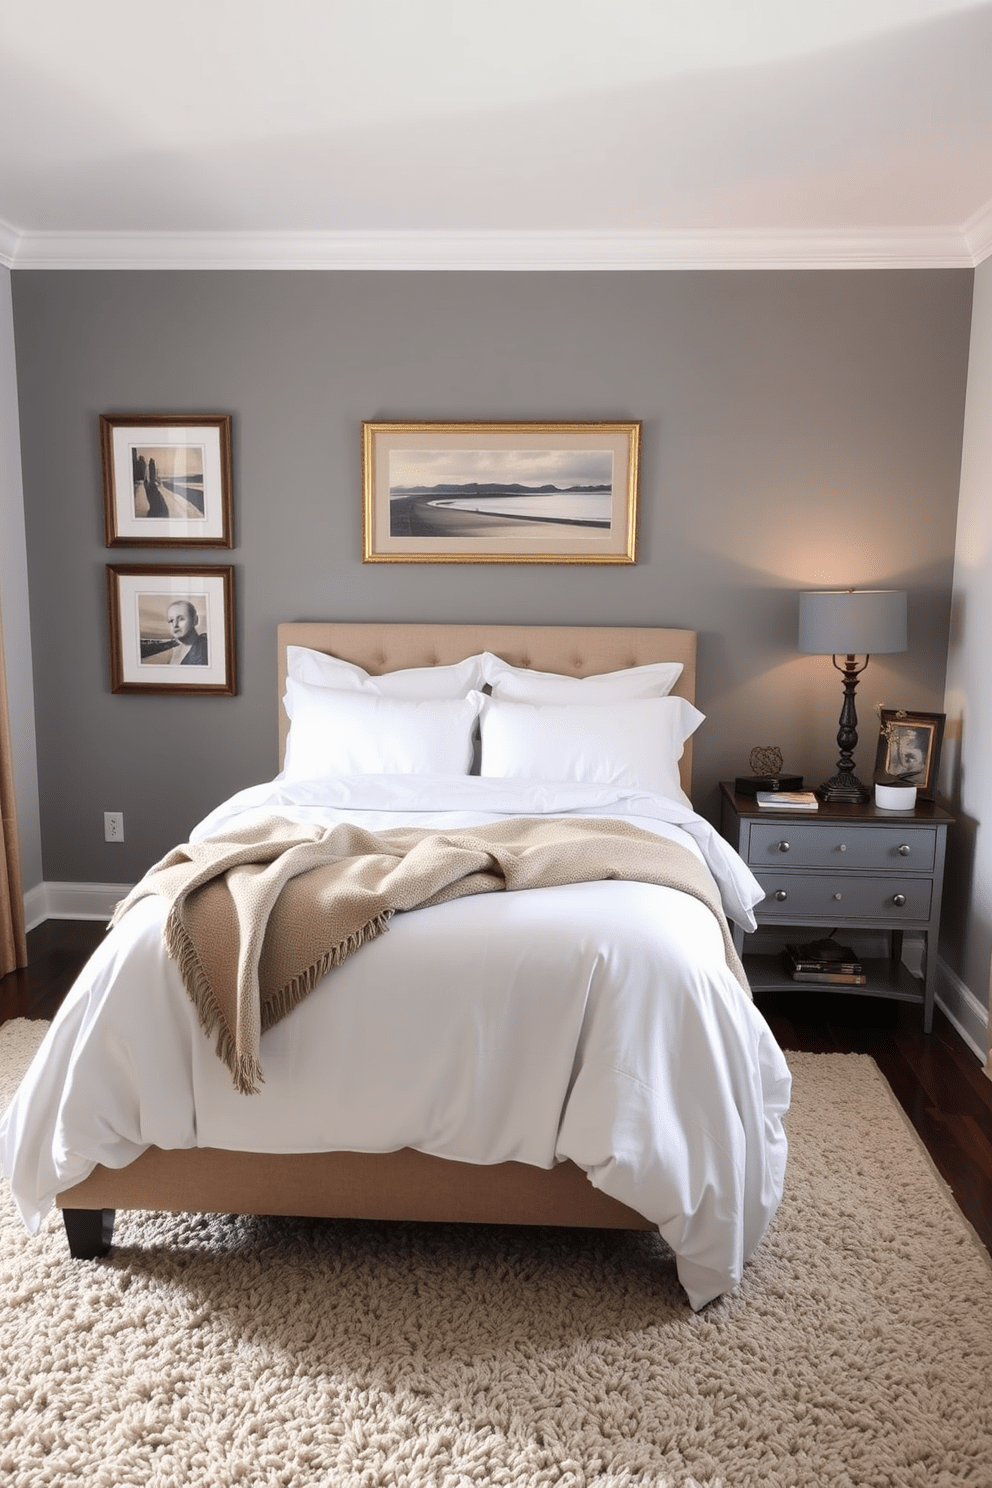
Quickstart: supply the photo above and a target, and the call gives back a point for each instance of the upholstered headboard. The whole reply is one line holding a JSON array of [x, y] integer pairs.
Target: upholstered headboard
[[574, 650]]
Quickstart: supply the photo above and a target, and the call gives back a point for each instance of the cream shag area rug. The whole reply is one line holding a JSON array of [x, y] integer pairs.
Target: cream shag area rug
[[858, 1350]]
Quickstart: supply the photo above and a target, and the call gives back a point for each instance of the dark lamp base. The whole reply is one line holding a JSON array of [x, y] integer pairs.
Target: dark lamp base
[[844, 787]]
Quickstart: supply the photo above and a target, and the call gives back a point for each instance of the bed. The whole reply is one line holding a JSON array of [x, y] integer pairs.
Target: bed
[[578, 1055]]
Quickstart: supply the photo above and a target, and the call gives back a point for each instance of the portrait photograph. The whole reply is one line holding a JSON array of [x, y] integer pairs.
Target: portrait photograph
[[909, 748], [171, 630], [167, 480], [500, 493]]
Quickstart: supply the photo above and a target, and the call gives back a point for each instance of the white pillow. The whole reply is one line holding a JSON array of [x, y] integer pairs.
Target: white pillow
[[415, 683], [357, 733], [637, 743], [521, 685]]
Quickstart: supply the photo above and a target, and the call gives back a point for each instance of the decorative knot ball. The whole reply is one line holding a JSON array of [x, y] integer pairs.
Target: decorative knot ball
[[766, 760]]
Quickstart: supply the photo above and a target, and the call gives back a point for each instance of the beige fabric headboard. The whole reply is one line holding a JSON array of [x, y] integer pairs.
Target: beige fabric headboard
[[574, 650]]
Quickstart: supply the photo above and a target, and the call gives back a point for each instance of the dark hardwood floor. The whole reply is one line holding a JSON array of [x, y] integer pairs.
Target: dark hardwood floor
[[57, 951], [937, 1079]]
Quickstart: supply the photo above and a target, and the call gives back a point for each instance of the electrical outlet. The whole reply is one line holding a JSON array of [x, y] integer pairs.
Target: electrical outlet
[[113, 826]]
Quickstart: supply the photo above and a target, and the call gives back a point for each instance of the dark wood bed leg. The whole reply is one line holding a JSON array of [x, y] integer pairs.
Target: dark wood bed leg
[[89, 1232]]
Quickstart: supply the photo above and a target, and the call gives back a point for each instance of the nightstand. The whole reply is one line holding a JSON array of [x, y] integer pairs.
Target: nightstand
[[852, 867]]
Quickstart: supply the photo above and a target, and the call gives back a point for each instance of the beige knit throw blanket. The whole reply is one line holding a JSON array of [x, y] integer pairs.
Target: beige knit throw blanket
[[258, 916]]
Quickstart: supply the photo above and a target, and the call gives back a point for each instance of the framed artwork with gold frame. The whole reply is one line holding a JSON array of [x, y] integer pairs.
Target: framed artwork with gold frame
[[500, 492]]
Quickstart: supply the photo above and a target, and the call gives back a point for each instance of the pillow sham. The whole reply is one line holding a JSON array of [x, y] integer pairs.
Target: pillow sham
[[636, 743], [356, 733], [415, 683], [521, 685]]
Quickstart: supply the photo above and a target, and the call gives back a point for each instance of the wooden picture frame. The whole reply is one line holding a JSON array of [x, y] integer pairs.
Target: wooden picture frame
[[500, 492], [909, 748], [171, 629], [167, 480]]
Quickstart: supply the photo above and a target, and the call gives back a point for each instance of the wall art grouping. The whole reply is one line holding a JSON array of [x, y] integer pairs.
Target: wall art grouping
[[167, 483]]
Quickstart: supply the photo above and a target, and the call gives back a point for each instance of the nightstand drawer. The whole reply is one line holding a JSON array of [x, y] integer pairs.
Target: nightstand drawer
[[828, 898], [837, 845]]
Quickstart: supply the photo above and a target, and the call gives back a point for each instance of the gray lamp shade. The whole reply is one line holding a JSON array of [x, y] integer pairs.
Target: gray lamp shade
[[852, 622]]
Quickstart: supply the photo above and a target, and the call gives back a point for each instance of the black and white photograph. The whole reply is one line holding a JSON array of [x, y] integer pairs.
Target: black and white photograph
[[171, 630], [500, 493], [167, 480], [909, 748]]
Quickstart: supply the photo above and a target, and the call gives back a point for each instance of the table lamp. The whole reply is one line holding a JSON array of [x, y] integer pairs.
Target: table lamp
[[850, 623]]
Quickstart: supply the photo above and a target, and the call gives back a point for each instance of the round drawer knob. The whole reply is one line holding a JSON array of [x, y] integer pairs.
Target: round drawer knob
[[843, 847], [899, 900], [904, 850], [783, 847], [838, 896], [781, 895]]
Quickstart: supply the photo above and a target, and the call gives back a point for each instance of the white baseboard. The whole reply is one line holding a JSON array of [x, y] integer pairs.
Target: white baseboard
[[71, 901], [967, 1014]]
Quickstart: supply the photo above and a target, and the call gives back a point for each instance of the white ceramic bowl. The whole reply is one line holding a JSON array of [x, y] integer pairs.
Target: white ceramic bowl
[[895, 797]]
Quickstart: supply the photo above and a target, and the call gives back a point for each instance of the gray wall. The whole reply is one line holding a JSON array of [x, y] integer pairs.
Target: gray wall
[[799, 430]]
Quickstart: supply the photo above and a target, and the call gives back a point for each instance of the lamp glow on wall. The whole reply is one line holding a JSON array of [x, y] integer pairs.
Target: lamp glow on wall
[[851, 624]]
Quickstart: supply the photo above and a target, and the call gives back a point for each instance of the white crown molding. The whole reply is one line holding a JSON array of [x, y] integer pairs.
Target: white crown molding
[[977, 233], [490, 251], [72, 901]]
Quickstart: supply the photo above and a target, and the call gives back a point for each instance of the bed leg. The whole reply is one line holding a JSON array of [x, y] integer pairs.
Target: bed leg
[[89, 1232]]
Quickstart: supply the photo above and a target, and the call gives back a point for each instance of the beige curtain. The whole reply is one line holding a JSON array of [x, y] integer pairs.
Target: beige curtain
[[13, 945]]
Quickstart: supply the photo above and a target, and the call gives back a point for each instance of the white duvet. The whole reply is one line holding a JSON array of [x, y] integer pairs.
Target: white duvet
[[597, 1022]]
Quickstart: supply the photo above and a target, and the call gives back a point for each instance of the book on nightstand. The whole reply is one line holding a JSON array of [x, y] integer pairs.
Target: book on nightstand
[[824, 961], [788, 800], [831, 978]]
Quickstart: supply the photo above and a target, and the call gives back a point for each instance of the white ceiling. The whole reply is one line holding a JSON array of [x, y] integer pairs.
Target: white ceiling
[[525, 133]]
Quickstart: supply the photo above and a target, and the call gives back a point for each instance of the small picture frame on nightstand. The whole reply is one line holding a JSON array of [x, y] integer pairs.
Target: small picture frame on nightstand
[[909, 749]]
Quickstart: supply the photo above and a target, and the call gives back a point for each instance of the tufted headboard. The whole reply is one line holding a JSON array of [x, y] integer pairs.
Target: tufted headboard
[[574, 650]]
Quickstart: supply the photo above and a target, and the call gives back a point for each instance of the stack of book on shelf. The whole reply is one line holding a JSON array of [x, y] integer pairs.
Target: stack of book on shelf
[[826, 962]]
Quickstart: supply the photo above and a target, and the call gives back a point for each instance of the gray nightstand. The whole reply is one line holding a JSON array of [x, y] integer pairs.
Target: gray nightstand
[[853, 867]]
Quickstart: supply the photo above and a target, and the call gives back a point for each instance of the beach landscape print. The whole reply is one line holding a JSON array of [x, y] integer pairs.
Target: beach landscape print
[[495, 492], [167, 480]]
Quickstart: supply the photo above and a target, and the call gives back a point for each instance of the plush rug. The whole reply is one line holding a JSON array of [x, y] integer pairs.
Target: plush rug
[[858, 1350]]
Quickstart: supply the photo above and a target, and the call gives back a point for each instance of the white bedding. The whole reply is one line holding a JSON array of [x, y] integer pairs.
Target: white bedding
[[597, 1022]]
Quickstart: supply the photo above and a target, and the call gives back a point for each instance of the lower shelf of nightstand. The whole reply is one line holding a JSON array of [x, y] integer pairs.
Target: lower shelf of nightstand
[[886, 978]]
